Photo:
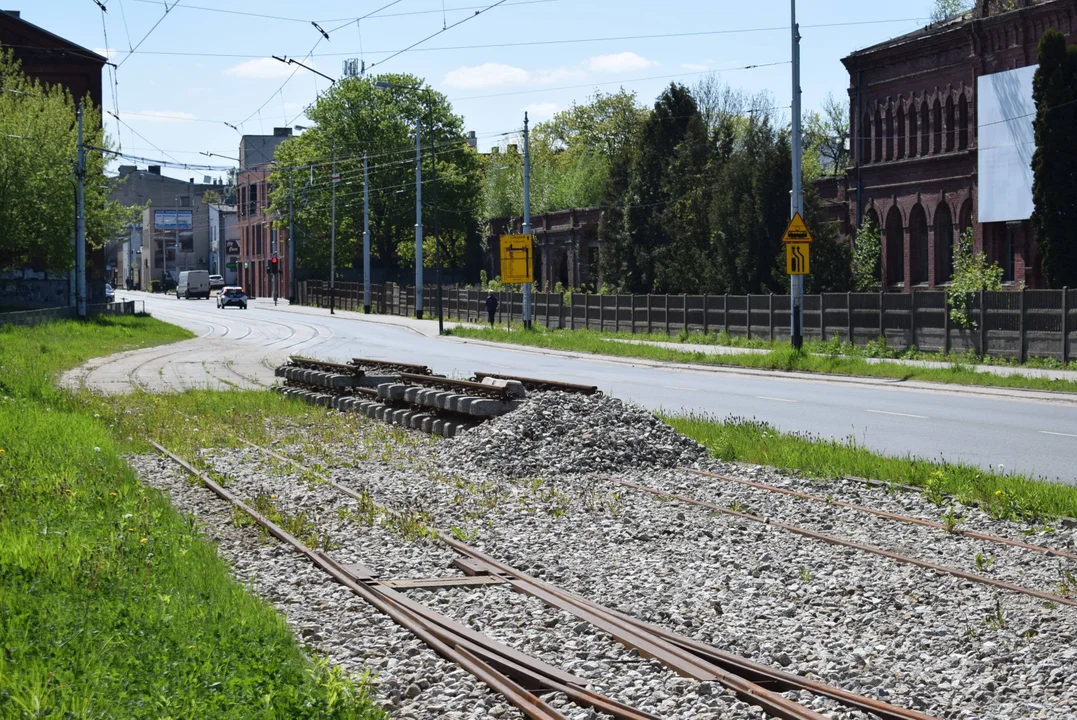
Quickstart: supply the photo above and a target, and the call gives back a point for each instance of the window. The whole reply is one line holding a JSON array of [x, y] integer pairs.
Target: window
[[900, 133], [944, 244], [257, 239], [889, 134], [963, 123], [878, 135], [936, 127], [252, 200], [918, 249], [1007, 254], [243, 201], [925, 129], [865, 141], [950, 124], [913, 131], [894, 240]]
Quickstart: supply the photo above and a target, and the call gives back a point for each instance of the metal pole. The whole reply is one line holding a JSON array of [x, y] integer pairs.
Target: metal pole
[[796, 282], [437, 231], [293, 295], [80, 219], [175, 244], [527, 218], [366, 235], [418, 218], [333, 237]]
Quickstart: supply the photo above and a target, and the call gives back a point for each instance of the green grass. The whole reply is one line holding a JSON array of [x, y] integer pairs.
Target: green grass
[[1011, 497], [111, 603], [823, 358]]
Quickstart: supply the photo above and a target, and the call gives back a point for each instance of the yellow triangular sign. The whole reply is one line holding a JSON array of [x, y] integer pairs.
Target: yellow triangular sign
[[797, 232]]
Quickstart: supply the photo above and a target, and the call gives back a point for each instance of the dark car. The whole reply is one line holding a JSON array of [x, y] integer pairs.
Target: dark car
[[232, 296]]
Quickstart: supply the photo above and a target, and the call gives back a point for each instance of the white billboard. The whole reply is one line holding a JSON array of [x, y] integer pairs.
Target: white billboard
[[173, 219], [1006, 142]]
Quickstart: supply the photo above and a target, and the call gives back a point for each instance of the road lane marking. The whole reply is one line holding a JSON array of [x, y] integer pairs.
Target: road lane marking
[[677, 387], [774, 399], [897, 414], [1058, 434]]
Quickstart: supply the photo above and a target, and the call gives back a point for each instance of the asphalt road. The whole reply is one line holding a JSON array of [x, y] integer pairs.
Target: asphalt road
[[1030, 436]]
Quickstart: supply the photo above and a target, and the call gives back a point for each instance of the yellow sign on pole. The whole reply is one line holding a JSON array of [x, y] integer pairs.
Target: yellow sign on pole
[[797, 232], [798, 258], [517, 259]]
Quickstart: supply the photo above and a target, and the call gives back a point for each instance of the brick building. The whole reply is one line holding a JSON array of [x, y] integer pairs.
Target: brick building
[[566, 247], [50, 58], [258, 239], [915, 139]]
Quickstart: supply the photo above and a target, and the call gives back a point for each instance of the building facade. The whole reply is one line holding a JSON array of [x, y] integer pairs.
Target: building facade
[[52, 59], [915, 140], [224, 243], [259, 241], [566, 247]]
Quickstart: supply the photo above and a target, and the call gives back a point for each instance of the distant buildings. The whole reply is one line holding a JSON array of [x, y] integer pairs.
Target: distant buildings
[[941, 141], [566, 247], [224, 243], [259, 241]]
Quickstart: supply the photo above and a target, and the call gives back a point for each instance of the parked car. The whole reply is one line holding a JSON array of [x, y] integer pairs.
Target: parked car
[[110, 293], [232, 297], [193, 284], [216, 282]]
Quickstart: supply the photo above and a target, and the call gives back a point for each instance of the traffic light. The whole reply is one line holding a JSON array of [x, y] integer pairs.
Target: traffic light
[[274, 266]]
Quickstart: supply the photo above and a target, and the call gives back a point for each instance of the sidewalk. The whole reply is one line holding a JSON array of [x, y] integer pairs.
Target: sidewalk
[[1000, 370]]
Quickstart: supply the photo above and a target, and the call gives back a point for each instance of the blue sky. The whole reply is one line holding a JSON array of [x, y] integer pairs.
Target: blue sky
[[181, 103]]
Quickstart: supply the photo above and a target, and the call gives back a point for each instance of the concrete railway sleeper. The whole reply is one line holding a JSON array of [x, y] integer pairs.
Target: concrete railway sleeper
[[842, 542], [884, 514], [752, 682], [517, 677]]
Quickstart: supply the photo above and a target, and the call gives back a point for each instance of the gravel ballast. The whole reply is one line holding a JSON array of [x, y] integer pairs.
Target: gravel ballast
[[528, 488]]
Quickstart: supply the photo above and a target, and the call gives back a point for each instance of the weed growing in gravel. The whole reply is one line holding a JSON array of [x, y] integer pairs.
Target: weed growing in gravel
[[984, 562], [299, 525], [1068, 585], [463, 535], [805, 575], [413, 523], [952, 521], [996, 620]]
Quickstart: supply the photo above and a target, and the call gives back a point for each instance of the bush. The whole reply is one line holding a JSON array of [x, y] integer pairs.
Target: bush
[[971, 275]]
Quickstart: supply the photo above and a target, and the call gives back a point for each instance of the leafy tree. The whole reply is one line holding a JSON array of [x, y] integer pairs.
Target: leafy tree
[[356, 117], [211, 197], [608, 123], [1054, 164], [826, 134], [867, 257], [972, 273], [38, 153], [946, 9], [831, 257]]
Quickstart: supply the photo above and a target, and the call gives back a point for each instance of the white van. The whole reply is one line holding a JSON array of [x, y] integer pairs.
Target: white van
[[193, 284]]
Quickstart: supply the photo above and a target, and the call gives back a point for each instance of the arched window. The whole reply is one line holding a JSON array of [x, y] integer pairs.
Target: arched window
[[913, 130], [965, 218], [963, 123], [918, 245], [925, 128], [950, 124], [865, 141], [944, 244], [878, 135], [936, 127], [889, 133], [900, 133], [894, 241]]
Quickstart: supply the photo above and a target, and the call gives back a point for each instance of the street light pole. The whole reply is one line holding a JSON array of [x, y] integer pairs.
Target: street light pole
[[333, 238], [796, 282], [437, 232], [366, 235], [527, 219], [292, 294], [418, 218]]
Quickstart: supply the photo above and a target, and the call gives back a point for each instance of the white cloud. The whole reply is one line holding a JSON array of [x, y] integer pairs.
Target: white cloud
[[619, 63], [264, 69], [694, 67], [486, 75], [560, 75], [161, 116], [542, 111], [109, 53]]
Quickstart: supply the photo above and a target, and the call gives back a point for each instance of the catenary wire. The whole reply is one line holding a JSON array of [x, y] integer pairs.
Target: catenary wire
[[159, 21]]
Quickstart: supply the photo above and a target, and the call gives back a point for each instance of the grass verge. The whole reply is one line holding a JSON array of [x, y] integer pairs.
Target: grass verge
[[111, 603], [1010, 497], [824, 358]]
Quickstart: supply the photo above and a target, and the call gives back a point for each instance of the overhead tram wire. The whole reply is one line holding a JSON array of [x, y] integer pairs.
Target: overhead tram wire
[[150, 32], [141, 136], [112, 71]]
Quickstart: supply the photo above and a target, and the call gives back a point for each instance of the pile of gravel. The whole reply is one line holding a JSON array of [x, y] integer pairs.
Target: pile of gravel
[[566, 433]]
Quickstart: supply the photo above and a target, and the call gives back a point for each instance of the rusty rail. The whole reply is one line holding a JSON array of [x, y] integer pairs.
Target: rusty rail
[[501, 668], [390, 366], [884, 514], [749, 680], [541, 385], [323, 365], [464, 387], [833, 540]]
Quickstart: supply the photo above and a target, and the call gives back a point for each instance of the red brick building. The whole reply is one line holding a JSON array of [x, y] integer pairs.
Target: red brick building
[[50, 58], [914, 139], [258, 237]]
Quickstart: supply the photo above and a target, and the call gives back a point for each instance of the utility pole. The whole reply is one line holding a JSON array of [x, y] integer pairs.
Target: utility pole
[[80, 218], [527, 219], [175, 246], [333, 238], [796, 282], [366, 235], [292, 294], [418, 217], [437, 232]]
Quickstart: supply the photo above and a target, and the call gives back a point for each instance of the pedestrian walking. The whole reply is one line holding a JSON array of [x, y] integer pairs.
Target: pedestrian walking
[[491, 306]]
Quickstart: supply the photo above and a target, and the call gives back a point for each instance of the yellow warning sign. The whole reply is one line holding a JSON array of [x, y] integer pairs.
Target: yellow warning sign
[[798, 258], [797, 232], [517, 259]]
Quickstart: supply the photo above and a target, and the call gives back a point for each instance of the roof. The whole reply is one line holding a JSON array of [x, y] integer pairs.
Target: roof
[[12, 21], [927, 31]]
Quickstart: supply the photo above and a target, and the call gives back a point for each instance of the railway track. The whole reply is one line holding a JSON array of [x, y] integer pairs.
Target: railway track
[[520, 679]]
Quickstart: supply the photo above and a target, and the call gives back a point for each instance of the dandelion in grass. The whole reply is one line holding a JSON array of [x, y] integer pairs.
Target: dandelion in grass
[[142, 540], [97, 449], [998, 492]]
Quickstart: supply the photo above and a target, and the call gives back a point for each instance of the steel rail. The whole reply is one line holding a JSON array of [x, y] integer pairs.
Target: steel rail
[[463, 386], [744, 677], [323, 365], [884, 514], [540, 384], [412, 368], [477, 658], [833, 540]]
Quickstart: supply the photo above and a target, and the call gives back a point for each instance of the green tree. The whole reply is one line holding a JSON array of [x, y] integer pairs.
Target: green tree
[[972, 273], [867, 257], [831, 257], [38, 152], [826, 134], [1054, 164], [355, 117]]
